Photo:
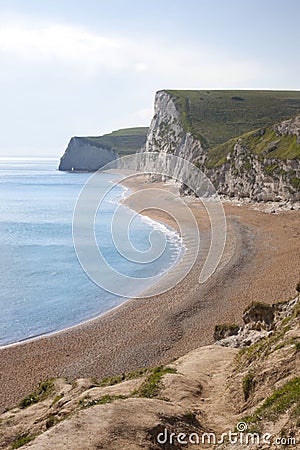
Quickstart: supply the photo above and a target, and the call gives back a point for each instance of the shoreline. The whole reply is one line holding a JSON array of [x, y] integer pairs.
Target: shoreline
[[122, 201], [262, 256]]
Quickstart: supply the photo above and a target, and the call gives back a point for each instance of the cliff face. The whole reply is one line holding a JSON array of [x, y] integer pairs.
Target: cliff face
[[261, 165], [247, 175], [84, 155], [166, 133]]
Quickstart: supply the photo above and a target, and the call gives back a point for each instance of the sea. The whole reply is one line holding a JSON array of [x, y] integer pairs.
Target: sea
[[43, 287]]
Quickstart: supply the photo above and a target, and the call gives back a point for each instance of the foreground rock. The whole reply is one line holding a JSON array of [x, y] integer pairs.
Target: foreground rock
[[202, 394]]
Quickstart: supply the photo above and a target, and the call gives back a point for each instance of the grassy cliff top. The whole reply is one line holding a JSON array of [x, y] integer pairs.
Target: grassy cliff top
[[215, 117], [264, 141], [125, 141]]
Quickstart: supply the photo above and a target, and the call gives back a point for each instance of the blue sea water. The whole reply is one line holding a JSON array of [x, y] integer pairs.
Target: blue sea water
[[43, 288]]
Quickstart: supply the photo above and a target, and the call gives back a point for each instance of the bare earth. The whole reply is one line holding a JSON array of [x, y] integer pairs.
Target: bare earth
[[261, 262]]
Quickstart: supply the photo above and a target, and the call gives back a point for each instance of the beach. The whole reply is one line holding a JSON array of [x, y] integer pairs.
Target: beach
[[260, 263]]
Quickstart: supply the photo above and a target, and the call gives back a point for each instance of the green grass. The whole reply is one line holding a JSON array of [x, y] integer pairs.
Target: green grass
[[263, 142], [260, 306], [215, 117], [222, 329], [57, 398], [151, 387], [137, 131], [125, 141], [278, 403], [110, 381], [292, 341], [248, 385], [262, 348], [44, 389], [296, 311], [23, 440], [85, 403]]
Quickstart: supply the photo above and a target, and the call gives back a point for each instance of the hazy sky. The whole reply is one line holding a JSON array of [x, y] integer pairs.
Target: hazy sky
[[87, 67]]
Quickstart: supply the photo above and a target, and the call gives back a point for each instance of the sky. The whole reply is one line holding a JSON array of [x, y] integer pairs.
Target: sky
[[87, 67]]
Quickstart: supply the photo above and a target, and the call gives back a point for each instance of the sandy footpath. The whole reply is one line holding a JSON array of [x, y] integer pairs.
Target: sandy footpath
[[261, 263]]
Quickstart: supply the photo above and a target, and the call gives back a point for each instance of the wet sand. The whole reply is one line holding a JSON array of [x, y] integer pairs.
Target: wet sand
[[261, 263]]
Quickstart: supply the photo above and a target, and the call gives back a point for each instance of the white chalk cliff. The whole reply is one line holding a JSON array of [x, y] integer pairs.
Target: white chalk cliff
[[85, 155]]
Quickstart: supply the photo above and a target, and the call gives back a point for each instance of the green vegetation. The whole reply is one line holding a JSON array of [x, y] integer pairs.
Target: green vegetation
[[125, 141], [215, 117], [151, 387], [264, 347], [51, 421], [43, 390], [110, 381], [271, 145], [279, 402], [57, 398], [248, 385], [84, 403], [259, 306], [296, 312], [23, 440], [225, 329], [264, 142]]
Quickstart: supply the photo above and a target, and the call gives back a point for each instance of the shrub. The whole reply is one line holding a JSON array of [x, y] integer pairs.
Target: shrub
[[152, 385], [21, 440], [43, 390], [248, 385]]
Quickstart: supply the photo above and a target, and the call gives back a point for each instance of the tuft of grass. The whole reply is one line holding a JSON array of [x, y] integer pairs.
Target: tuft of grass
[[51, 421], [248, 385], [292, 341], [224, 329], [110, 381], [278, 403], [259, 305], [296, 312], [297, 346], [21, 440], [102, 400], [57, 398], [44, 389], [261, 349], [151, 387]]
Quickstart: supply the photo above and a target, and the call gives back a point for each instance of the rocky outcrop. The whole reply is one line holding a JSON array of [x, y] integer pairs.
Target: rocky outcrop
[[203, 394], [248, 175], [85, 155], [241, 171], [260, 321], [289, 127]]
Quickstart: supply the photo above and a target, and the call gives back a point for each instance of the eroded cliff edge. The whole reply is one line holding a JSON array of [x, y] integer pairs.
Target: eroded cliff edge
[[86, 156], [91, 153], [261, 164]]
